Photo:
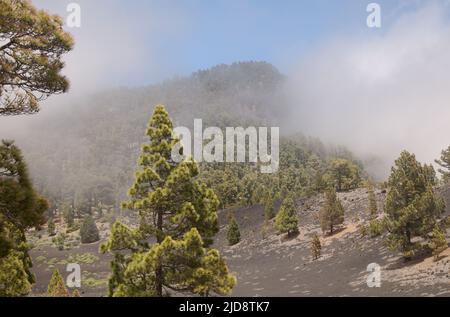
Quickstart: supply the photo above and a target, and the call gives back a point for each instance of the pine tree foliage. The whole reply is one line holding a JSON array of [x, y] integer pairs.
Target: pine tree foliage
[[89, 231], [32, 43], [76, 293], [411, 205], [177, 212], [438, 242], [56, 286], [343, 174], [286, 220], [269, 208], [14, 279], [21, 208], [373, 209], [189, 267], [233, 233], [316, 247], [444, 163], [332, 213]]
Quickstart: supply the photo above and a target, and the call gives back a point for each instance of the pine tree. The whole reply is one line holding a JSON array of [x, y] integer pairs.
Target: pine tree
[[32, 44], [344, 174], [411, 206], [444, 162], [57, 287], [21, 208], [269, 208], [376, 227], [89, 231], [13, 276], [51, 228], [68, 215], [76, 293], [286, 220], [316, 247], [438, 242], [233, 233], [176, 211], [373, 209], [332, 214]]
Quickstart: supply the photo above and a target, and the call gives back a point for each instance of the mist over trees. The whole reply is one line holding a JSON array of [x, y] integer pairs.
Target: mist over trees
[[158, 223], [85, 154]]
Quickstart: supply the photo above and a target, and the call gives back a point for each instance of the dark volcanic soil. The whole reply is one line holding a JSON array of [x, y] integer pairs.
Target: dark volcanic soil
[[267, 264]]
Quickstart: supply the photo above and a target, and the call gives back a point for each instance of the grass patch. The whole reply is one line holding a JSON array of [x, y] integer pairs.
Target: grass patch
[[52, 261], [41, 258], [50, 268], [92, 280], [86, 258], [94, 283]]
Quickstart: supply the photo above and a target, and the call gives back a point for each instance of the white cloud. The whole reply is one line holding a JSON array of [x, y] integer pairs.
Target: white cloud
[[381, 93], [117, 42]]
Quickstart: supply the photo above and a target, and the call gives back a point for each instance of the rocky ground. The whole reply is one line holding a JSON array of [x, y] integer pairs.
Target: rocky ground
[[267, 264]]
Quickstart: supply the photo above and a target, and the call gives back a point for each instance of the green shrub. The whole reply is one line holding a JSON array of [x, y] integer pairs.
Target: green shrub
[[376, 228], [438, 242], [286, 220], [73, 228], [57, 287], [363, 230], [233, 233], [59, 241]]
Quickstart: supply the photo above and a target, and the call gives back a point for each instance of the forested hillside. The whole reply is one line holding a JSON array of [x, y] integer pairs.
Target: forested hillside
[[85, 156]]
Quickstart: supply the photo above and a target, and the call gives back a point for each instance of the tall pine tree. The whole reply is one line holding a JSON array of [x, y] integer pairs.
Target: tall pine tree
[[444, 163], [178, 214], [269, 208], [21, 208], [332, 213], [316, 247], [411, 205], [373, 209]]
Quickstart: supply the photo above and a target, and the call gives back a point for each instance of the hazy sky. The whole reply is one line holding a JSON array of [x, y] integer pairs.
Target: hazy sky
[[139, 42], [377, 91]]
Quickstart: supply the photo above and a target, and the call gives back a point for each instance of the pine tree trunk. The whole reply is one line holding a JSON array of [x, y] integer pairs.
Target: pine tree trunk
[[159, 281], [159, 272]]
